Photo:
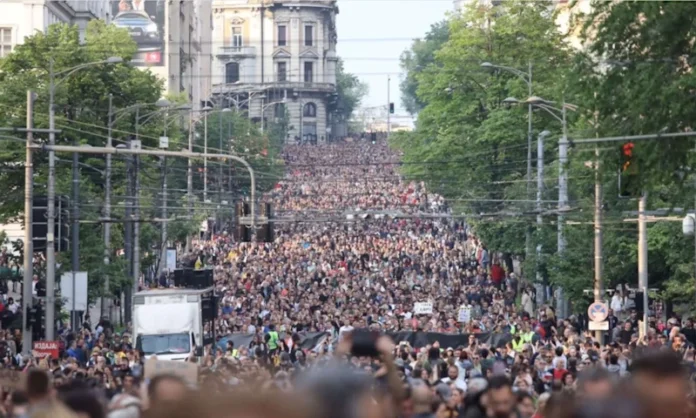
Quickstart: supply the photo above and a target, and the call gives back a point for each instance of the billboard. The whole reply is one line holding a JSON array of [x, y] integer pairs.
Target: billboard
[[144, 19]]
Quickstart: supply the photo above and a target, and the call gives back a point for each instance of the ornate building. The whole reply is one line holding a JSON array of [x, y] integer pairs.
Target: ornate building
[[275, 59]]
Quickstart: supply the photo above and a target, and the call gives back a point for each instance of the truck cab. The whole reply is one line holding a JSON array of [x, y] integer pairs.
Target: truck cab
[[173, 323]]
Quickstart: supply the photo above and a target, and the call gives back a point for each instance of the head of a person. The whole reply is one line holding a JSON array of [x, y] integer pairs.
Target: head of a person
[[339, 391], [81, 399], [525, 404], [38, 386], [453, 372], [166, 388], [660, 379], [499, 400], [17, 404], [595, 383]]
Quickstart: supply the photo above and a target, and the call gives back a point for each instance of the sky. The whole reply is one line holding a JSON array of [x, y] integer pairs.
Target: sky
[[373, 33]]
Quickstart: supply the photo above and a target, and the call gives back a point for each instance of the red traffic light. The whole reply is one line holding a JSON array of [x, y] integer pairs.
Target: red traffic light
[[628, 149]]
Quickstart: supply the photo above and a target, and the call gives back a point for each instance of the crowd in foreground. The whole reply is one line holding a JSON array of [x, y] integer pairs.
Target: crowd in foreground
[[356, 277]]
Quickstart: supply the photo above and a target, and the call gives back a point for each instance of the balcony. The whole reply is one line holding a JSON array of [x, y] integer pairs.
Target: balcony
[[272, 84], [236, 52]]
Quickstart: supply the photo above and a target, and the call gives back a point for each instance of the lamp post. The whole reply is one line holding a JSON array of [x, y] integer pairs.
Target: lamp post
[[51, 215], [560, 115], [139, 121], [527, 77]]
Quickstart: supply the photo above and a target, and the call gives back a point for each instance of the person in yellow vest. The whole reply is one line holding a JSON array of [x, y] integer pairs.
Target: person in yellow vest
[[273, 340], [199, 263], [232, 352]]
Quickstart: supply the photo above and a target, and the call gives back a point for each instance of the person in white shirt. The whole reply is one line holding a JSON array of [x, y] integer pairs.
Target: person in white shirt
[[453, 376], [12, 306]]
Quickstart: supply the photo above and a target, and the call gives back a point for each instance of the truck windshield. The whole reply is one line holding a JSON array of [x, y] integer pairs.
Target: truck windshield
[[165, 344]]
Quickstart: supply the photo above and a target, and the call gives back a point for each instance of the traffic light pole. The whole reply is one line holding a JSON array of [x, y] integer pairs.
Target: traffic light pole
[[27, 294]]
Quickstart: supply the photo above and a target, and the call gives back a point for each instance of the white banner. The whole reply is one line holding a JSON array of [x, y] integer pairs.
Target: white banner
[[423, 308], [465, 314]]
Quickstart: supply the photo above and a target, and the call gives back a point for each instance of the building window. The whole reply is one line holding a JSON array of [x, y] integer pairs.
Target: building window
[[310, 110], [5, 41], [237, 40], [308, 71], [282, 35], [231, 72], [282, 71], [309, 35]]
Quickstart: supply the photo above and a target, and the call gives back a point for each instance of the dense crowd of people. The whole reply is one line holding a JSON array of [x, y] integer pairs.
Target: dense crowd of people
[[357, 249]]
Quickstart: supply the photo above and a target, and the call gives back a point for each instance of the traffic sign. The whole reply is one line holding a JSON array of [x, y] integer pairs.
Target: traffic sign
[[599, 325], [598, 311]]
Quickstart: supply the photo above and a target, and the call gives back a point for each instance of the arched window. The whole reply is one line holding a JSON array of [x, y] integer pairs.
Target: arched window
[[310, 110], [231, 72]]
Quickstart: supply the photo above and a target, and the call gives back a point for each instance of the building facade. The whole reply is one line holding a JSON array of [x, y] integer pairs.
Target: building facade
[[275, 59], [173, 38], [22, 18]]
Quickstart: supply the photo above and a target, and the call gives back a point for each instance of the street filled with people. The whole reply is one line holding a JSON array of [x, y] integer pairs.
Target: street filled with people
[[372, 301]]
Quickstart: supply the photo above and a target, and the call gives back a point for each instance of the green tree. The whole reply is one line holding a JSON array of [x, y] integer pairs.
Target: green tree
[[468, 144], [416, 59], [349, 93], [630, 81], [81, 114]]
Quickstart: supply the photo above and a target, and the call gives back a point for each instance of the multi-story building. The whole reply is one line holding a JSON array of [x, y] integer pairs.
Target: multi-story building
[[22, 18], [274, 59], [173, 40], [173, 37]]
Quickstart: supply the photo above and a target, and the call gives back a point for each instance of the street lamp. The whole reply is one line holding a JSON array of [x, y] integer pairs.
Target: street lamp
[[527, 78], [115, 116], [51, 215], [560, 115]]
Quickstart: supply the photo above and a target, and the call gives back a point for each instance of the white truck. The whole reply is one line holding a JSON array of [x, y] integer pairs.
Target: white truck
[[172, 323]]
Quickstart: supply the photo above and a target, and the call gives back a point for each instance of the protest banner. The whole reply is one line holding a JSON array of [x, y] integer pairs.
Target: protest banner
[[43, 349], [423, 308]]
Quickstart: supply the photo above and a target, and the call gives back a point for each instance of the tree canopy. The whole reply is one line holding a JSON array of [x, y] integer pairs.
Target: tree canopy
[[82, 114], [416, 59], [632, 76], [349, 92]]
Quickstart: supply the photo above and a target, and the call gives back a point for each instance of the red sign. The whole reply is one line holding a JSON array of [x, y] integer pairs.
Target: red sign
[[46, 348]]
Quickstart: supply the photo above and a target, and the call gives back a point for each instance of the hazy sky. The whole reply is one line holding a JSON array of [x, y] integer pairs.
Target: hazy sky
[[373, 33]]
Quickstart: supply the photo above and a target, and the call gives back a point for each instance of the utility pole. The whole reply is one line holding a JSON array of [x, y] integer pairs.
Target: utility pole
[[136, 223], [75, 253], [562, 202], [106, 299], [136, 207], [643, 257], [163, 238], [128, 235], [598, 256], [51, 215], [189, 179], [205, 151], [528, 232], [541, 296], [388, 107], [218, 216], [598, 251], [27, 293]]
